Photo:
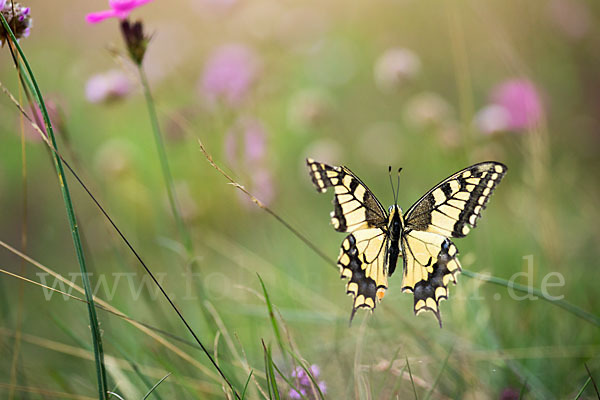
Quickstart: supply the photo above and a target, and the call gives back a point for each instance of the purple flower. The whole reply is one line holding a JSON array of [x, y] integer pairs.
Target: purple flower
[[18, 18], [509, 394], [521, 101], [106, 87], [228, 74], [118, 9], [304, 383]]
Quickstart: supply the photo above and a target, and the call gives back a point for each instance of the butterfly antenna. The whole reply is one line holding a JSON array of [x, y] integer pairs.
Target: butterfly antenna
[[391, 183], [397, 187]]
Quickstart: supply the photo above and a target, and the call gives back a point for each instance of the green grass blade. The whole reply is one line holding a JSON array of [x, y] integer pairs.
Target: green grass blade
[[591, 318], [585, 385], [411, 379], [164, 162], [593, 381], [156, 385], [267, 375], [289, 382], [272, 317], [387, 372], [523, 390], [246, 385], [271, 380], [95, 329], [438, 377]]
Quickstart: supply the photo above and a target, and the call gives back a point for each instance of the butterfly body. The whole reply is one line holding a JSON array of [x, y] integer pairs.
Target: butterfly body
[[395, 229], [377, 238]]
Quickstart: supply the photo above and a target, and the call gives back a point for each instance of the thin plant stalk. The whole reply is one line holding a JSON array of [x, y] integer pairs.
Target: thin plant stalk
[[591, 318], [24, 219], [95, 329], [129, 245], [164, 162]]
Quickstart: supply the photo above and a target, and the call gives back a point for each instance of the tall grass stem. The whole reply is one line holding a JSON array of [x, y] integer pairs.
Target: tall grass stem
[[164, 162], [95, 329]]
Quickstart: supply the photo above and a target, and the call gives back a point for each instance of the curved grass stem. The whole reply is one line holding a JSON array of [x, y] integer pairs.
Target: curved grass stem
[[95, 329], [591, 318]]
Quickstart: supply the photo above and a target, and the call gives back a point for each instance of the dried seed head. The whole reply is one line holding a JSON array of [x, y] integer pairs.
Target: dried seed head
[[136, 41]]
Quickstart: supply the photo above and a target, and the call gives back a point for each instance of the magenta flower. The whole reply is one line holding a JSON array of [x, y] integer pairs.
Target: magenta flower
[[107, 87], [228, 74], [521, 101], [118, 9]]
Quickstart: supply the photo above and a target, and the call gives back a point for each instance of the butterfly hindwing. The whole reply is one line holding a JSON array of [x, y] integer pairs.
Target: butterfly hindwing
[[363, 252], [430, 264], [453, 206], [362, 261]]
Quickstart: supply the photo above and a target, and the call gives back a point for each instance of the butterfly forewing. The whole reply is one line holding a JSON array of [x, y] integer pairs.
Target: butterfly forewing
[[453, 206], [354, 206], [357, 211]]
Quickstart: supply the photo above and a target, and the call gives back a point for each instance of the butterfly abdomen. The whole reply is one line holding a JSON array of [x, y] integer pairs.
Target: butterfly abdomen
[[395, 228]]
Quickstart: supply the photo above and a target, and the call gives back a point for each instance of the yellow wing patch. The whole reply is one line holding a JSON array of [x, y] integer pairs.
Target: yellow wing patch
[[430, 264], [354, 206], [453, 207], [362, 261]]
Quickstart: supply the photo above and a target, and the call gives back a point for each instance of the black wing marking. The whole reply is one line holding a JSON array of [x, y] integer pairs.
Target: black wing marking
[[430, 264], [363, 261], [454, 205], [355, 206]]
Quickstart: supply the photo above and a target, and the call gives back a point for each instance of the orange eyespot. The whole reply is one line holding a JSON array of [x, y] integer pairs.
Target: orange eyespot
[[380, 294]]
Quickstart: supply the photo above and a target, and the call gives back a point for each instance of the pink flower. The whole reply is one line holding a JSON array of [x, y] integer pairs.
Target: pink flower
[[228, 74], [103, 88], [521, 101], [252, 133], [118, 9]]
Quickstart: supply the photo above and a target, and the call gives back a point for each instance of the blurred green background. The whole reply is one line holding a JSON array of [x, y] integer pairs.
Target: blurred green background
[[431, 87]]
